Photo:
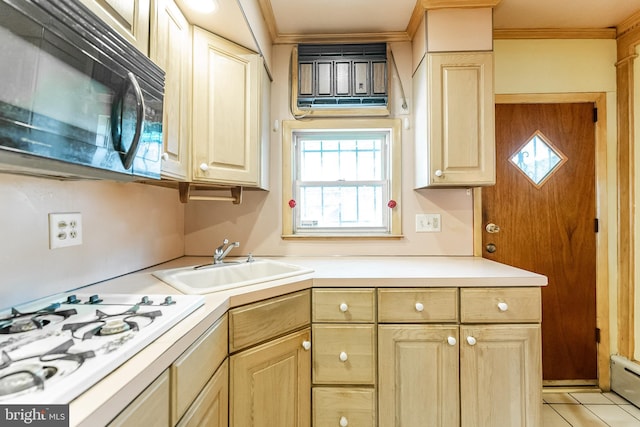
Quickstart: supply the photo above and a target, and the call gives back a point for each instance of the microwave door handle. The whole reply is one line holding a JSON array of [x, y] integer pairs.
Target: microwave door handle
[[127, 158]]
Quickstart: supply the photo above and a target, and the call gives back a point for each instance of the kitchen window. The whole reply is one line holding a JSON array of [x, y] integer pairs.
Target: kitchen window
[[341, 178]]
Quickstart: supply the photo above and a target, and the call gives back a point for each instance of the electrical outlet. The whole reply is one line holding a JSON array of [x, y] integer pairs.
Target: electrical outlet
[[65, 229], [428, 223]]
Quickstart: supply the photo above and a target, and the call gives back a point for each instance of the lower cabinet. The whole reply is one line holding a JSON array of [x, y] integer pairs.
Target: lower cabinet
[[500, 375], [418, 368], [270, 383], [150, 408], [352, 406], [211, 408], [270, 364]]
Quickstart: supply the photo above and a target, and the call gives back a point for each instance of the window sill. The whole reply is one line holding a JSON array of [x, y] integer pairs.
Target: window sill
[[342, 237]]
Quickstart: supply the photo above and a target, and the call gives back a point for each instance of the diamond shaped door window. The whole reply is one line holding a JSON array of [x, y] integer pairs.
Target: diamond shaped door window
[[538, 159]]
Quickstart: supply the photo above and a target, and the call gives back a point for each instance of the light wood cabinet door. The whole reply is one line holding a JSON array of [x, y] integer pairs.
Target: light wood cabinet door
[[500, 375], [418, 381], [130, 18], [211, 408], [455, 125], [193, 369], [226, 122], [150, 408], [270, 385], [170, 49]]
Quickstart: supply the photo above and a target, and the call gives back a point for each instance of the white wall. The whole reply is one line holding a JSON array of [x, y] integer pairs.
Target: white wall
[[126, 227], [560, 66], [256, 223]]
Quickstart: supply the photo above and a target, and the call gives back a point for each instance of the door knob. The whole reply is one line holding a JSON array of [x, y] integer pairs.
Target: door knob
[[491, 248], [492, 228]]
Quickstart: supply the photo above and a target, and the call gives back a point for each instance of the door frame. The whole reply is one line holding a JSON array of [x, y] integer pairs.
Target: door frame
[[602, 239]]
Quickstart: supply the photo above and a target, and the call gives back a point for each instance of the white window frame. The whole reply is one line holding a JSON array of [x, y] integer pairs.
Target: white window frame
[[290, 128]]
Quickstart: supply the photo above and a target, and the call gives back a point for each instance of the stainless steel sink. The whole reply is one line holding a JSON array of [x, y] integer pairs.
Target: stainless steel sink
[[219, 277]]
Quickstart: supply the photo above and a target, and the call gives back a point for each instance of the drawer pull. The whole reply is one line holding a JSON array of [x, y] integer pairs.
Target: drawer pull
[[419, 306], [503, 306], [451, 341], [306, 345], [344, 307], [471, 340], [344, 422], [343, 356]]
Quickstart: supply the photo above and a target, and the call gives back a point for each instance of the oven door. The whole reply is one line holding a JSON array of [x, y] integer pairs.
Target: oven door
[[66, 100]]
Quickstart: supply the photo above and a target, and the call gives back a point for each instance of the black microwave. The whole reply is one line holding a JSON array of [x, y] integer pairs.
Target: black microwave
[[76, 99]]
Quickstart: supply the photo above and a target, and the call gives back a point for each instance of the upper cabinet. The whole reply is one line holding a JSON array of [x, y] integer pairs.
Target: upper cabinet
[[454, 99], [454, 125], [170, 49], [227, 118], [129, 17]]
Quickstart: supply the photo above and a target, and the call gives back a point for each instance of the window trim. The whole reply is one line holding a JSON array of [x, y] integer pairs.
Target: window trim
[[394, 126]]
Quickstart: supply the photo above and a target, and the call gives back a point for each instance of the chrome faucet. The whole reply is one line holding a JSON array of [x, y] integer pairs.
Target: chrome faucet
[[221, 252]]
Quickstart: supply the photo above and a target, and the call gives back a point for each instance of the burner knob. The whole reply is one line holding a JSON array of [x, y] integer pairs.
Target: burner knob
[[168, 301], [94, 299], [145, 301], [72, 299]]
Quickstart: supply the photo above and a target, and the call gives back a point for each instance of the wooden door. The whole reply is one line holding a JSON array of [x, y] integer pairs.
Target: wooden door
[[211, 408], [418, 375], [500, 376], [270, 385], [548, 226]]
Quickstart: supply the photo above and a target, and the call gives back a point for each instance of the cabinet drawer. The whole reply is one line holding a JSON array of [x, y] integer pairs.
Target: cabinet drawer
[[260, 321], [356, 405], [417, 305], [194, 368], [343, 354], [343, 305], [500, 305]]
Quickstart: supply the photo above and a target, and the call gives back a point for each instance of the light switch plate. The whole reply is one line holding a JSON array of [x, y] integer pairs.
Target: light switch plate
[[428, 223], [65, 229]]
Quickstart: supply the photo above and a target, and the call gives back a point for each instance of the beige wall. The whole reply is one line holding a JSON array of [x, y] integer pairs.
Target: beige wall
[[560, 66], [256, 223], [126, 227]]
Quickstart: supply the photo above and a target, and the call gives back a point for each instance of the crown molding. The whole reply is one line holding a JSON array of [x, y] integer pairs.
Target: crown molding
[[400, 36], [441, 4], [554, 33]]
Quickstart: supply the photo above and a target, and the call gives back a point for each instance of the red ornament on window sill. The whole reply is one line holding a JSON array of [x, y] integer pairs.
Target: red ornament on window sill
[[292, 203], [392, 204]]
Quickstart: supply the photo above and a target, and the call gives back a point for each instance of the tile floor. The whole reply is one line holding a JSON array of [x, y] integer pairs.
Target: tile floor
[[587, 409]]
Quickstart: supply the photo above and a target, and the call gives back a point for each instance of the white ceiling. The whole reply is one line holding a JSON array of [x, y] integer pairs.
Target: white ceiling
[[366, 16]]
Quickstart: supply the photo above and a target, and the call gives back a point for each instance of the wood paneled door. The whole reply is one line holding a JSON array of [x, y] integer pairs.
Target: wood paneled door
[[541, 216]]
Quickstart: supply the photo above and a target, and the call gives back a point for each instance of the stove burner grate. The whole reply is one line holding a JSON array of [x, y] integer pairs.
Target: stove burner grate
[[19, 322], [111, 324]]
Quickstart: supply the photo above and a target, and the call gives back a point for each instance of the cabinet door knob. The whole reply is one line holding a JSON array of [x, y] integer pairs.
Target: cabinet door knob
[[438, 173], [343, 356], [344, 307], [419, 306], [451, 341], [165, 156], [503, 306], [306, 345], [471, 340], [344, 422], [204, 167]]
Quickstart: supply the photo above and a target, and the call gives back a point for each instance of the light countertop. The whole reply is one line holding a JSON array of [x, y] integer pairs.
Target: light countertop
[[105, 400]]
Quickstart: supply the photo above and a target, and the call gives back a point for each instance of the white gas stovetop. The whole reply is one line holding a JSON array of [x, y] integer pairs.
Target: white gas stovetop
[[53, 349]]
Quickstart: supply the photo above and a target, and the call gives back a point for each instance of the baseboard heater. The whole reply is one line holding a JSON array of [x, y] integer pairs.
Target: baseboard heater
[[625, 379]]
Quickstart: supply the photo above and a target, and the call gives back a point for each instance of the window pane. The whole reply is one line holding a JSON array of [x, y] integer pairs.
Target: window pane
[[341, 206]]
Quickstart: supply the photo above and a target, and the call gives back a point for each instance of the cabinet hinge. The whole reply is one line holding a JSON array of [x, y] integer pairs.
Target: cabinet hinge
[[596, 225], [595, 115], [598, 335]]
